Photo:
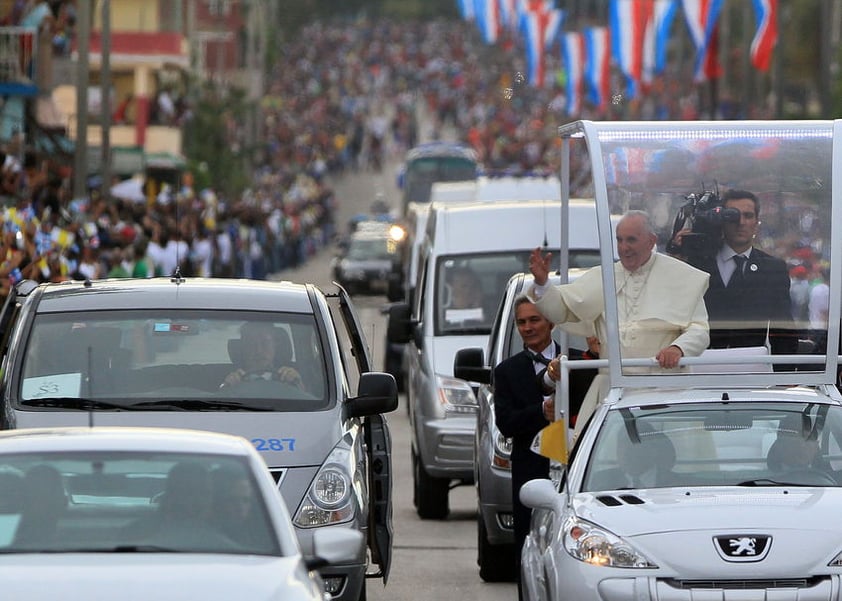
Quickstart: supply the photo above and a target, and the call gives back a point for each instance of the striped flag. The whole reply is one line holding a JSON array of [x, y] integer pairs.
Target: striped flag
[[552, 441], [573, 58], [766, 36], [597, 65], [488, 19], [539, 25], [656, 38], [466, 9], [627, 21], [508, 13], [702, 17]]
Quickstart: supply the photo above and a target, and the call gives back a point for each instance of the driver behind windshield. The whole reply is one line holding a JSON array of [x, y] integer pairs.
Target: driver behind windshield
[[260, 358]]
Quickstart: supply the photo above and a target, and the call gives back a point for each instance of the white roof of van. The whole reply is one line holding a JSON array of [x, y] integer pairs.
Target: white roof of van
[[496, 225], [519, 188]]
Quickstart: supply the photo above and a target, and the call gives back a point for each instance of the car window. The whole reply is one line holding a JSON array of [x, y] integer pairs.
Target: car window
[[109, 501], [717, 444], [276, 360]]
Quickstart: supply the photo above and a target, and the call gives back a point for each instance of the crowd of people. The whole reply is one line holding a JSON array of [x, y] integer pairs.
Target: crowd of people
[[344, 97]]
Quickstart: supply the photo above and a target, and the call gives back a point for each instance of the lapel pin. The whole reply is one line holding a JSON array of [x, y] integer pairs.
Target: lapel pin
[[753, 267]]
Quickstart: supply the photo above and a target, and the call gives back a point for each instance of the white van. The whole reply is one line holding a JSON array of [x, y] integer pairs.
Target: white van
[[489, 242]]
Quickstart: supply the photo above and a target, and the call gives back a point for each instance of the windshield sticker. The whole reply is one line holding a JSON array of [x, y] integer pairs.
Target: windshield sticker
[[162, 328], [274, 444], [56, 385], [457, 315]]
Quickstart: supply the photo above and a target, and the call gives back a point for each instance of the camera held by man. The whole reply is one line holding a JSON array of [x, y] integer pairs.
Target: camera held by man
[[705, 215]]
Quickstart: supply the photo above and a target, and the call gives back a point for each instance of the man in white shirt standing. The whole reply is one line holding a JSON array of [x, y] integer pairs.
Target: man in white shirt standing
[[660, 301]]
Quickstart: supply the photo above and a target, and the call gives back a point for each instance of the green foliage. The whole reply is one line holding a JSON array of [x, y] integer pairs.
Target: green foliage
[[207, 143]]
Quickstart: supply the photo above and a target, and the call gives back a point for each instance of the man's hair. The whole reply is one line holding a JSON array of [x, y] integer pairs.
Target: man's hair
[[740, 194], [644, 217], [519, 300]]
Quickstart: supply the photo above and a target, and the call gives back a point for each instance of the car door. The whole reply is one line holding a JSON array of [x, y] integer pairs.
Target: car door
[[378, 445]]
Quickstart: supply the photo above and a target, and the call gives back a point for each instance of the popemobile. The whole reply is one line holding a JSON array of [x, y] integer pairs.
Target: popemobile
[[720, 478]]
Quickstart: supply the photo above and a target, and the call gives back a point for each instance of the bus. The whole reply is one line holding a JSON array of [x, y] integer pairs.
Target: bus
[[435, 162]]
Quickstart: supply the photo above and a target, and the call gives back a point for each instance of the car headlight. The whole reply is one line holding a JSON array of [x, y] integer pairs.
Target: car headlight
[[502, 451], [455, 395], [330, 498], [589, 543]]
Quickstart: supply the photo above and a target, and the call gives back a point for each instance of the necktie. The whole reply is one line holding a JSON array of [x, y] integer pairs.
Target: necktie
[[739, 273], [539, 358]]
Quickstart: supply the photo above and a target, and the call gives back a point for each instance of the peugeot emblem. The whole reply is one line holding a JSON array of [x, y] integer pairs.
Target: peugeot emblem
[[742, 547]]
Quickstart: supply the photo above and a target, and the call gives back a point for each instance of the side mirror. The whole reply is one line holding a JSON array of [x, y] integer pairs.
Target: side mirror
[[469, 364], [377, 393], [399, 329], [540, 494]]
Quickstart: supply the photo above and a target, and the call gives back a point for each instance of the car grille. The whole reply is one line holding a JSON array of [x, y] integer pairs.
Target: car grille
[[770, 583]]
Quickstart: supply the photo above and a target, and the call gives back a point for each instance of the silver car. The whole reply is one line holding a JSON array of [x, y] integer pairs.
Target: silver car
[[685, 494], [193, 354], [492, 451], [120, 513]]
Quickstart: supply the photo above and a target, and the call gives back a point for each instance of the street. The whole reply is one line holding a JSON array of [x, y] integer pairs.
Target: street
[[431, 560]]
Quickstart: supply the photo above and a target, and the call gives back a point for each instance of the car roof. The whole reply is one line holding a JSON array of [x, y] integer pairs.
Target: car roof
[[441, 148], [167, 293], [104, 438]]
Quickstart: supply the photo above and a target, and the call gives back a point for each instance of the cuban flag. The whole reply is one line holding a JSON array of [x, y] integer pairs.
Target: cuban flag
[[702, 17], [628, 20], [539, 29], [488, 19], [597, 65], [766, 36], [656, 38], [573, 58]]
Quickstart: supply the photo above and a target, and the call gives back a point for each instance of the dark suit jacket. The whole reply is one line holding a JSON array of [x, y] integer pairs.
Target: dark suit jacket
[[739, 314], [519, 415]]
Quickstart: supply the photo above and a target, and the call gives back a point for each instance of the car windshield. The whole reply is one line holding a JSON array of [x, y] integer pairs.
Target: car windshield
[[469, 287], [384, 248], [145, 359], [132, 502], [717, 444]]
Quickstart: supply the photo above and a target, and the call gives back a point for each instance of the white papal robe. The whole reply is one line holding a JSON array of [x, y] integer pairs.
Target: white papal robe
[[659, 304]]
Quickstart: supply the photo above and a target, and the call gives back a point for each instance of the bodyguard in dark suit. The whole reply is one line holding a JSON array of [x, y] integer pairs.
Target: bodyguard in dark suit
[[519, 405], [748, 293]]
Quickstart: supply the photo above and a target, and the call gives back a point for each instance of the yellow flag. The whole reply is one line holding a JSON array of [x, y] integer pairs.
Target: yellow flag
[[552, 441]]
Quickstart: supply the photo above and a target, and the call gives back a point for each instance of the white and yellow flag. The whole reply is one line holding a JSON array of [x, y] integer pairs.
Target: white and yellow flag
[[552, 441]]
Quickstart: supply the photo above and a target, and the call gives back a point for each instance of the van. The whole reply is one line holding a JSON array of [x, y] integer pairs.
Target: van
[[486, 243]]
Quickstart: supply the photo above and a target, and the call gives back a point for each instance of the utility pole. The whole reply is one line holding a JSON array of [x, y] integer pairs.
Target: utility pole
[[105, 92], [80, 164]]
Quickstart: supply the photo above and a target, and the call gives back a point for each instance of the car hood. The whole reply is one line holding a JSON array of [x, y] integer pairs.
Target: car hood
[[677, 528], [163, 577], [289, 439]]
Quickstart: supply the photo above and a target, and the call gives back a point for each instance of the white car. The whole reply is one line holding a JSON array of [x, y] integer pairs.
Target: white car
[[720, 479], [674, 494], [146, 513]]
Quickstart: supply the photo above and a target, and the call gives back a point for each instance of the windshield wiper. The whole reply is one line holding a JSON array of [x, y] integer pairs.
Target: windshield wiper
[[770, 482], [197, 405], [69, 402]]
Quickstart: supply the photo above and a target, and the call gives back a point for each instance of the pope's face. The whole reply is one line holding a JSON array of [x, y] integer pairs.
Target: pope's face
[[534, 328], [634, 242]]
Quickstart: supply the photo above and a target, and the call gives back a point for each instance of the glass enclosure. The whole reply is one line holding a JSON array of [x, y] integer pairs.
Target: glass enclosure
[[713, 190], [144, 359]]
